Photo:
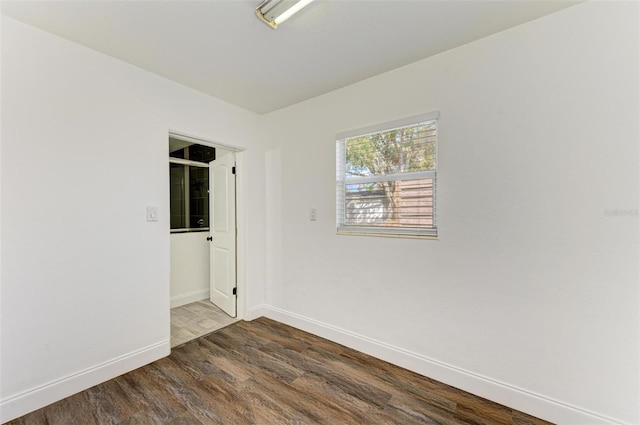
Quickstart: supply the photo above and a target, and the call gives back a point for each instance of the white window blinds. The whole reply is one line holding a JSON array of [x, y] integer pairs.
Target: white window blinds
[[386, 178]]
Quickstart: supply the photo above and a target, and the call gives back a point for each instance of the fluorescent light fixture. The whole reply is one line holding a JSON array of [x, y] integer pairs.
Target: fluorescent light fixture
[[275, 12]]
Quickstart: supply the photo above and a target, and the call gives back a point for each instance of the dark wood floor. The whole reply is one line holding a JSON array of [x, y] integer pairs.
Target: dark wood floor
[[264, 372]]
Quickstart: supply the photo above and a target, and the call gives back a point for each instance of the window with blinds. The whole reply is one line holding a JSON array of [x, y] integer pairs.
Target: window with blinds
[[386, 178]]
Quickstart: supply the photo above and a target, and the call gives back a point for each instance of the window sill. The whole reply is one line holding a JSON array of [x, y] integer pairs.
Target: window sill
[[386, 235], [195, 230]]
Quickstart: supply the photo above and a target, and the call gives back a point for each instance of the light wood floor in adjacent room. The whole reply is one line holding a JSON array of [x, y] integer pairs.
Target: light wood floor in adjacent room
[[194, 320], [264, 372]]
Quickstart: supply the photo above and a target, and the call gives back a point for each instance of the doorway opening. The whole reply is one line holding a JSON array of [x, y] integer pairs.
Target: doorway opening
[[203, 237]]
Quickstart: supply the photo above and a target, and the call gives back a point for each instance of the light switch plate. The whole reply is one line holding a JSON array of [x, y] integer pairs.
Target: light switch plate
[[313, 214], [152, 213]]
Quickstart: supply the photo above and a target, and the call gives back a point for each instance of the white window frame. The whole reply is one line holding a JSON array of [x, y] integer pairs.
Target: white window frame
[[341, 181]]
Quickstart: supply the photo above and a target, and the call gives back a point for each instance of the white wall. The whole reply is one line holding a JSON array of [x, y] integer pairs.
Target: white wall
[[530, 296], [190, 269], [85, 279]]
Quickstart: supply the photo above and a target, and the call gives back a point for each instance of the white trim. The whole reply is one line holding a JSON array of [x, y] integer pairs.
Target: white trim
[[369, 231], [257, 311], [388, 231], [200, 141], [35, 398], [189, 230], [389, 125], [241, 233], [189, 297], [188, 162], [417, 175], [510, 395]]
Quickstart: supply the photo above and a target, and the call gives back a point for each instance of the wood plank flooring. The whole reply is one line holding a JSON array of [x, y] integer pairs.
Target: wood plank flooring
[[264, 372], [196, 319]]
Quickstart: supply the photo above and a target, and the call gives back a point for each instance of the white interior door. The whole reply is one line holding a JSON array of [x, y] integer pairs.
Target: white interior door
[[222, 197]]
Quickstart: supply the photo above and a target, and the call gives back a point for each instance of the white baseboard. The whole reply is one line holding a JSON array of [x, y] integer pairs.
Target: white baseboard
[[255, 312], [38, 397], [517, 398], [189, 297]]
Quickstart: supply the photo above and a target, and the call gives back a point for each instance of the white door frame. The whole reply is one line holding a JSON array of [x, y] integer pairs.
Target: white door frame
[[241, 215]]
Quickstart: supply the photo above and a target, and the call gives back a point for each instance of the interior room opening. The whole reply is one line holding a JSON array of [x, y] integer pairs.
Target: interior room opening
[[203, 259]]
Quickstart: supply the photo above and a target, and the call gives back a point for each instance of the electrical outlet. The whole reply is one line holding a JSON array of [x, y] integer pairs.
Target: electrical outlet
[[313, 214]]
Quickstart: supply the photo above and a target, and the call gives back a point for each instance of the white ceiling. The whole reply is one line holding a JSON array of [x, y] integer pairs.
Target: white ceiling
[[221, 47]]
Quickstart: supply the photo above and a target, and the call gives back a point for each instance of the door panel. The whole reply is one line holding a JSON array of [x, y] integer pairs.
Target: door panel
[[219, 267]]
